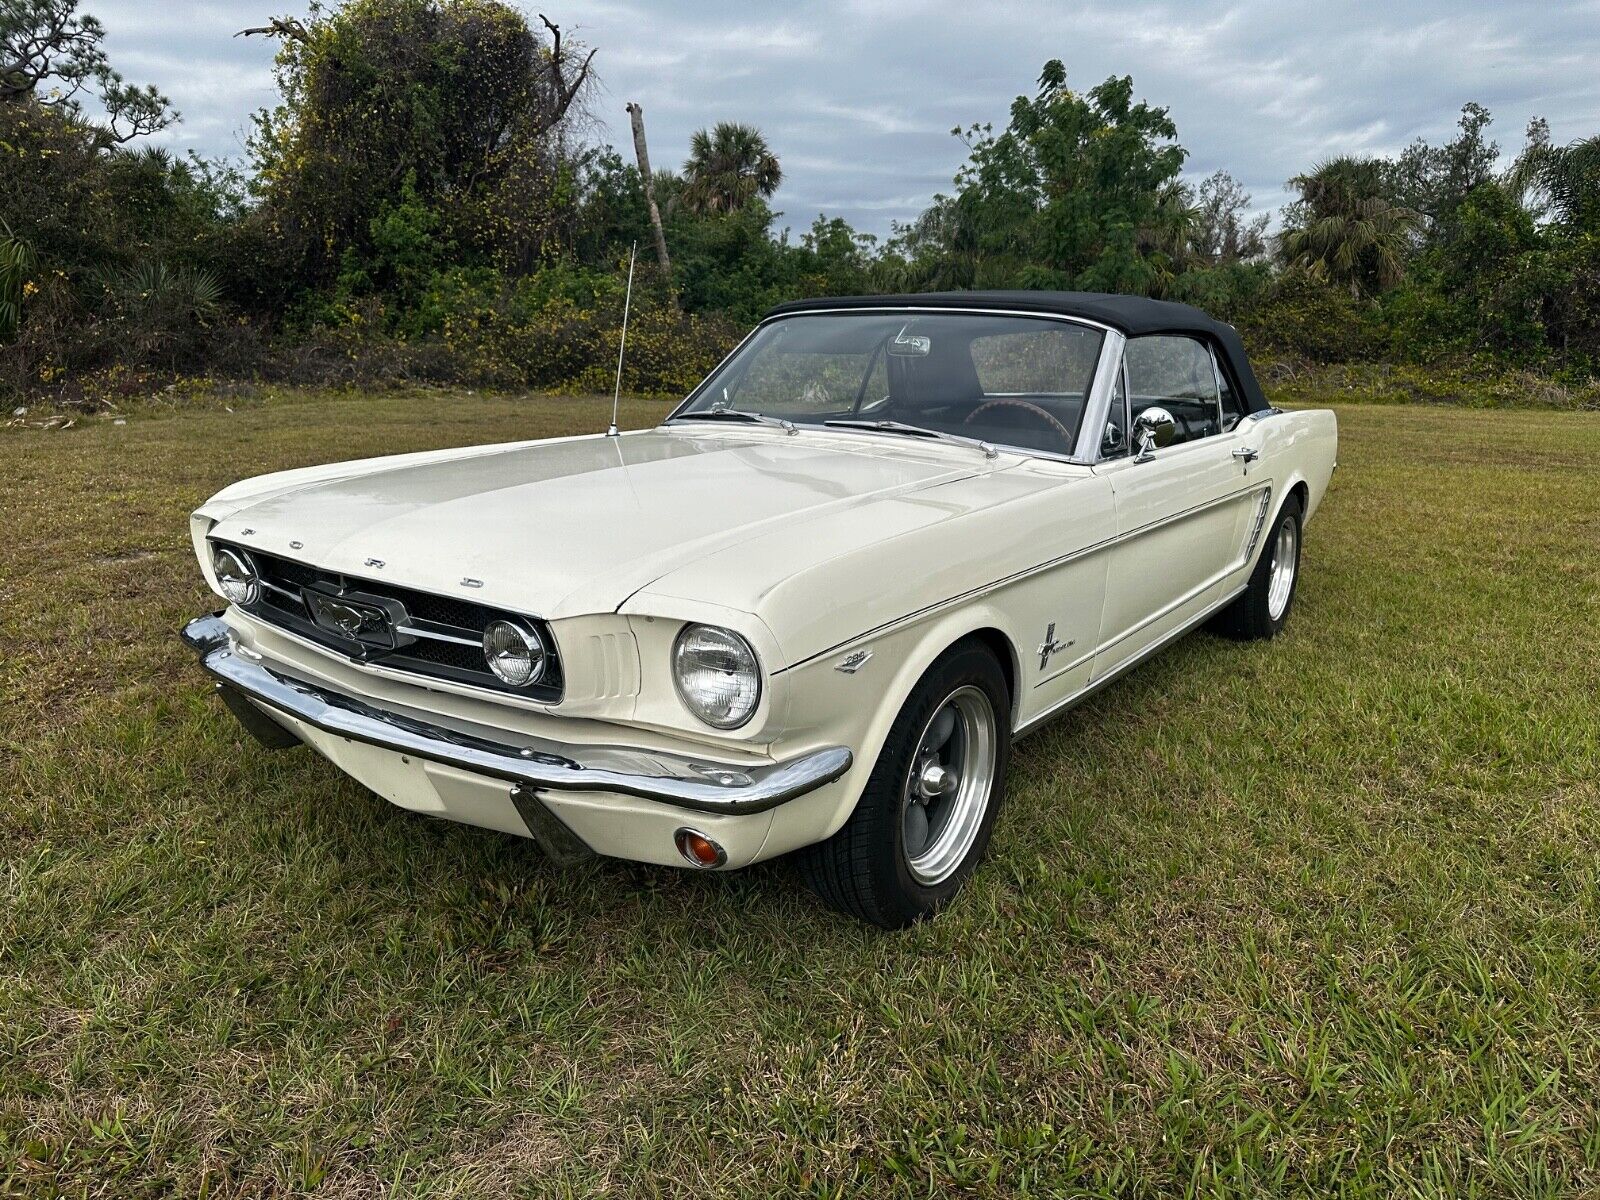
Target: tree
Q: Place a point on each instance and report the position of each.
(1223, 232)
(460, 97)
(1434, 181)
(727, 168)
(839, 260)
(1564, 179)
(52, 55)
(1346, 228)
(16, 264)
(641, 151)
(1078, 191)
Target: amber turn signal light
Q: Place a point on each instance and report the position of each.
(698, 850)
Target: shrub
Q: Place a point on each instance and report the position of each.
(1300, 317)
(501, 337)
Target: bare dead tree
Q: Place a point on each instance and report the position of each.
(566, 73)
(642, 153)
(279, 27)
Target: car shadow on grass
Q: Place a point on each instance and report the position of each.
(443, 864)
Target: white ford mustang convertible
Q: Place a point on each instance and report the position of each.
(808, 614)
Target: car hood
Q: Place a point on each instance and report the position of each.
(573, 526)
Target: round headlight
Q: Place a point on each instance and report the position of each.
(717, 675)
(514, 654)
(236, 575)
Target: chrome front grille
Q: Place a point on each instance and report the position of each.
(438, 636)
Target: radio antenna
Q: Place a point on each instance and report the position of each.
(622, 344)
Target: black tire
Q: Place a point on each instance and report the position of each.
(863, 870)
(1250, 617)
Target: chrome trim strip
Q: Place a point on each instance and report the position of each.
(282, 591)
(1260, 414)
(1165, 611)
(376, 667)
(1260, 524)
(668, 778)
(435, 632)
(1005, 581)
(822, 306)
(1093, 686)
(1097, 407)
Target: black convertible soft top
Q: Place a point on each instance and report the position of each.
(1130, 315)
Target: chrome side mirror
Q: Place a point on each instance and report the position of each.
(1152, 429)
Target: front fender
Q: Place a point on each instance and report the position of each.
(860, 709)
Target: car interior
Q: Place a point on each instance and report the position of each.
(1175, 373)
(944, 389)
(1009, 380)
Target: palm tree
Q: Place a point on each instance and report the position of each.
(727, 168)
(1346, 229)
(16, 264)
(1566, 178)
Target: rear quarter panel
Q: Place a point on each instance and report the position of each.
(1300, 447)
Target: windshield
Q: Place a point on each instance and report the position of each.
(1013, 381)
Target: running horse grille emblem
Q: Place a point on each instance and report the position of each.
(353, 619)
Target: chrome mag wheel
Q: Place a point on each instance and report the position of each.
(947, 789)
(1285, 558)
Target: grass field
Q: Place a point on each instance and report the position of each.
(1322, 914)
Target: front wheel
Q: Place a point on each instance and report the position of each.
(1263, 608)
(924, 819)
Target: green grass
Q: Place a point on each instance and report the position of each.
(1322, 914)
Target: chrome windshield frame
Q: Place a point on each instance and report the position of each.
(1086, 445)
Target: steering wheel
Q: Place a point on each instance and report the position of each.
(1032, 410)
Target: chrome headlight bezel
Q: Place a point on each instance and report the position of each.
(735, 649)
(242, 575)
(512, 634)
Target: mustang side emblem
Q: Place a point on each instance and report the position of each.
(852, 663)
(1051, 646)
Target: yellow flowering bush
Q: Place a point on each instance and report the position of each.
(561, 346)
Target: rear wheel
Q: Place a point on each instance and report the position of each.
(1263, 608)
(924, 819)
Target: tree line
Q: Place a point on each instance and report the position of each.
(423, 202)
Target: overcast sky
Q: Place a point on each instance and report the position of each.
(858, 97)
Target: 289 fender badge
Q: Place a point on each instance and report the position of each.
(854, 662)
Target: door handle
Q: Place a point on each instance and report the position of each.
(1247, 454)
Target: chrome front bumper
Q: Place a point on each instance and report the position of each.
(678, 780)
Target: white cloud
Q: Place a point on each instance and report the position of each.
(858, 96)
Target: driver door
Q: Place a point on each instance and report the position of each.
(1180, 511)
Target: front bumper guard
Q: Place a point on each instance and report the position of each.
(538, 765)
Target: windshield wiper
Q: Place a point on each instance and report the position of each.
(890, 427)
(729, 414)
(908, 430)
